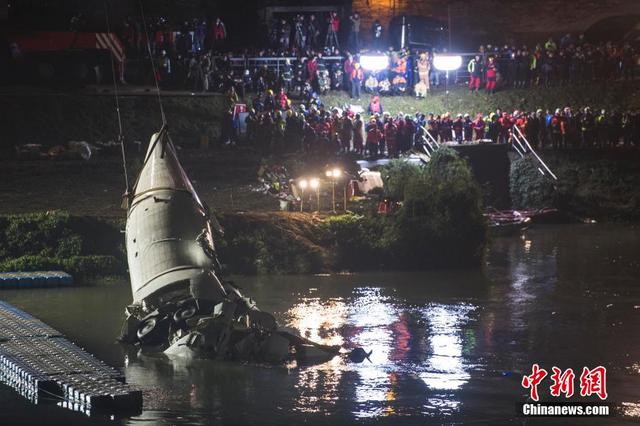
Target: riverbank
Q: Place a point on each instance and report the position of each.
(253, 244)
(439, 224)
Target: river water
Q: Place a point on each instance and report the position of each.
(448, 346)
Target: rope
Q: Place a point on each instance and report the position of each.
(153, 65)
(115, 91)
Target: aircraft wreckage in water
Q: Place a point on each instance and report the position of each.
(180, 304)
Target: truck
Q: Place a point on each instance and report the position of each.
(63, 57)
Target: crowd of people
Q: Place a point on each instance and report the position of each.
(571, 60)
(194, 55)
(275, 124)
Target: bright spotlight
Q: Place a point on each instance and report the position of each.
(328, 173)
(374, 62)
(447, 62)
(303, 183)
(337, 173)
(313, 183)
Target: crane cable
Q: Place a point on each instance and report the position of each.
(153, 65)
(115, 91)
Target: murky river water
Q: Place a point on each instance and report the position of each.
(448, 346)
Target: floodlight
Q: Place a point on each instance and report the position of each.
(337, 173)
(303, 183)
(447, 62)
(313, 183)
(374, 62)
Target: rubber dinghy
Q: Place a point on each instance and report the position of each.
(181, 306)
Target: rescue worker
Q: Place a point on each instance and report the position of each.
(493, 127)
(602, 129)
(557, 129)
(219, 33)
(358, 135)
(533, 129)
(478, 127)
(373, 137)
(346, 131)
(375, 106)
(357, 77)
(408, 132)
(423, 65)
(390, 136)
(287, 75)
(458, 126)
(445, 128)
(282, 101)
(467, 128)
(312, 70)
(504, 130)
(492, 75)
(348, 68)
(432, 127)
(475, 73)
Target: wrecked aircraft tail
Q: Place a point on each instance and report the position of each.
(180, 304)
(168, 231)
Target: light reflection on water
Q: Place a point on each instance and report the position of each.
(369, 319)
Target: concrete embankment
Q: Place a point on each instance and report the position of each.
(597, 184)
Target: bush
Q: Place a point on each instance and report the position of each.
(271, 243)
(78, 266)
(354, 241)
(396, 175)
(35, 234)
(29, 263)
(55, 240)
(440, 222)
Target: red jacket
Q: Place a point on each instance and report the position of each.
(219, 31)
(505, 124)
(491, 72)
(373, 135)
(390, 132)
(312, 67)
(348, 67)
(283, 100)
(334, 21)
(357, 74)
(375, 107)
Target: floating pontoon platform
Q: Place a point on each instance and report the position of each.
(40, 364)
(34, 279)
